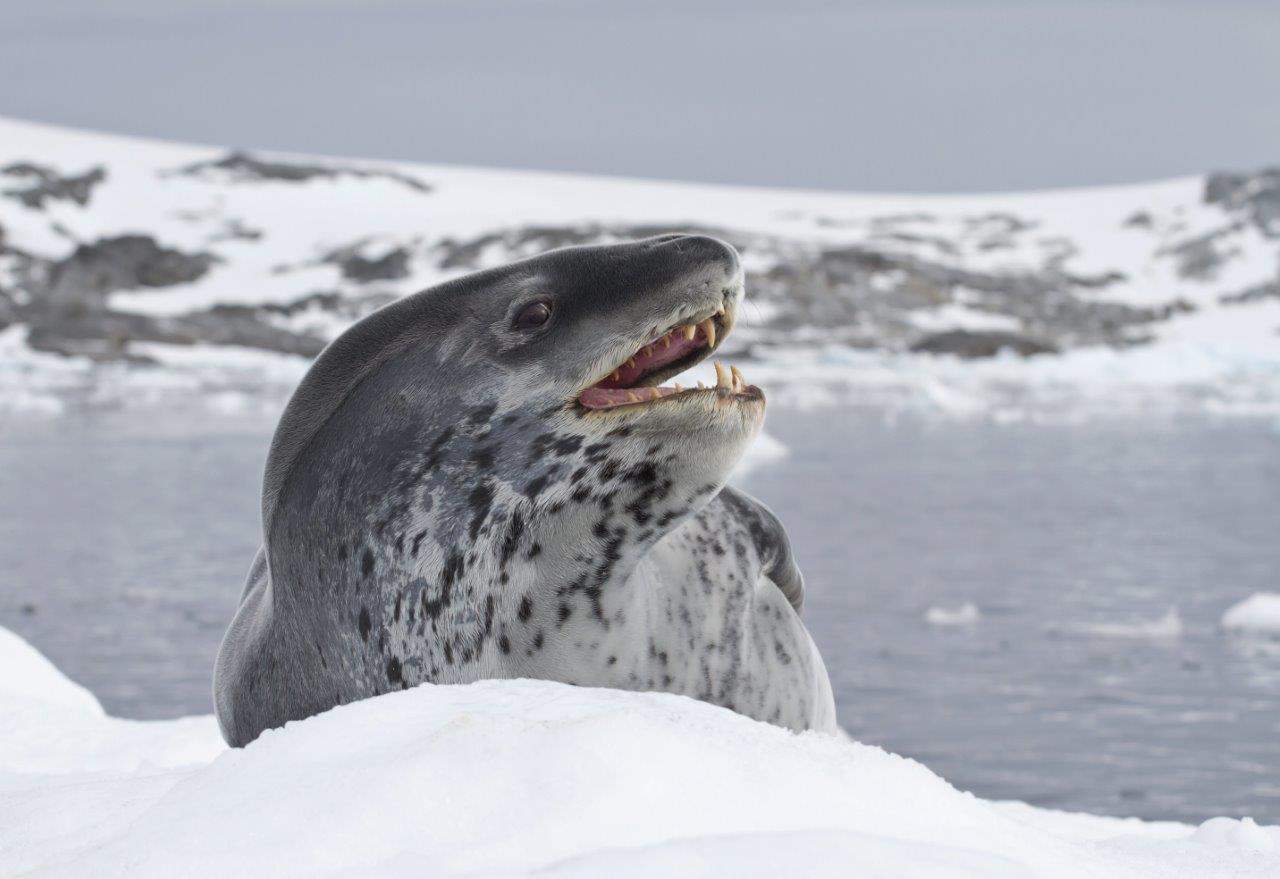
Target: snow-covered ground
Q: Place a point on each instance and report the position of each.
(508, 778)
(136, 271)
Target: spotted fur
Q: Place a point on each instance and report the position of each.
(436, 509)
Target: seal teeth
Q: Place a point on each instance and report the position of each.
(709, 329)
(689, 331)
(738, 382)
(678, 387)
(723, 377)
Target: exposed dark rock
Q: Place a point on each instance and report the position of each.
(46, 184)
(237, 231)
(1199, 258)
(246, 167)
(1257, 195)
(1140, 220)
(351, 307)
(1265, 290)
(106, 335)
(969, 344)
(355, 267)
(84, 279)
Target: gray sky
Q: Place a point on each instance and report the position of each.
(908, 96)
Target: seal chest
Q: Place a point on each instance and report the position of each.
(488, 479)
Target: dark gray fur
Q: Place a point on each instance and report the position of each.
(436, 508)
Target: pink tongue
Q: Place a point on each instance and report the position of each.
(607, 398)
(668, 349)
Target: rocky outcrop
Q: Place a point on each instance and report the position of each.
(41, 184)
(126, 262)
(66, 307)
(244, 166)
(362, 269)
(1255, 195)
(968, 344)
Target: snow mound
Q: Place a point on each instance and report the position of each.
(50, 724)
(505, 778)
(1259, 614)
(1167, 626)
(966, 614)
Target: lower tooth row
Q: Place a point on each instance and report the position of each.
(729, 378)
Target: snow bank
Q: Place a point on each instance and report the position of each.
(529, 777)
(1258, 614)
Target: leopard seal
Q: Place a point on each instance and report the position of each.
(487, 480)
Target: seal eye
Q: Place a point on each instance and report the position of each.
(533, 316)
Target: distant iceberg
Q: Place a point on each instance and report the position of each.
(1259, 614)
(966, 614)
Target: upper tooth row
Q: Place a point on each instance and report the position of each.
(707, 326)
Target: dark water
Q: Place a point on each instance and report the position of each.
(124, 542)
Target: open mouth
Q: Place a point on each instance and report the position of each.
(636, 381)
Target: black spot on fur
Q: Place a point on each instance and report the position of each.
(366, 563)
(436, 450)
(482, 457)
(480, 500)
(365, 624)
(526, 609)
(536, 485)
(515, 530)
(482, 414)
(394, 674)
(567, 445)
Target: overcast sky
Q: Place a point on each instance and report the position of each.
(907, 96)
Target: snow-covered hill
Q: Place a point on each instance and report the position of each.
(515, 778)
(132, 270)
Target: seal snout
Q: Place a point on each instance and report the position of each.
(700, 250)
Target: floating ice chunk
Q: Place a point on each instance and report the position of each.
(966, 614)
(1167, 626)
(1259, 614)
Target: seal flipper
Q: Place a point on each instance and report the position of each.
(771, 541)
